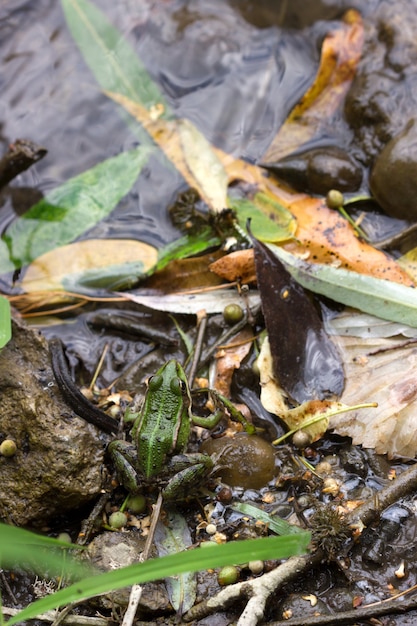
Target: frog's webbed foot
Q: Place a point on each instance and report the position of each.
(124, 457)
(190, 469)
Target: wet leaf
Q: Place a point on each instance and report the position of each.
(5, 322)
(71, 209)
(229, 358)
(270, 220)
(94, 263)
(110, 57)
(187, 149)
(380, 369)
(306, 362)
(382, 298)
(171, 537)
(275, 524)
(340, 54)
(213, 301)
(236, 266)
(322, 235)
(184, 275)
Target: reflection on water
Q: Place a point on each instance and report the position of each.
(227, 66)
(234, 80)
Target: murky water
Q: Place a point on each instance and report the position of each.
(234, 80)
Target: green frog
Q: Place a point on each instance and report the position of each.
(160, 437)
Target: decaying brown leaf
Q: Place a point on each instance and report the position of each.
(340, 54)
(306, 362)
(187, 149)
(229, 358)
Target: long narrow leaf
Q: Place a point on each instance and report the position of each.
(5, 322)
(73, 208)
(383, 298)
(192, 561)
(110, 57)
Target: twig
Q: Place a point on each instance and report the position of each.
(136, 591)
(354, 616)
(259, 590)
(69, 620)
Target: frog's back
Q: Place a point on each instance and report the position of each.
(165, 425)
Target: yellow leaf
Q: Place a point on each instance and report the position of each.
(187, 149)
(340, 54)
(62, 267)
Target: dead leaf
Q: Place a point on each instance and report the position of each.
(340, 54)
(63, 266)
(228, 359)
(187, 149)
(306, 362)
(237, 266)
(382, 370)
(185, 274)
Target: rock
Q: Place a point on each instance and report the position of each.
(393, 179)
(59, 459)
(319, 170)
(113, 550)
(246, 461)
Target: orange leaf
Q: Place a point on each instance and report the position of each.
(340, 55)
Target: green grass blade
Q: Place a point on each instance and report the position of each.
(37, 553)
(72, 208)
(382, 298)
(110, 57)
(192, 561)
(5, 321)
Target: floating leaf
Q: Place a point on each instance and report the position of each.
(171, 537)
(340, 54)
(110, 57)
(270, 220)
(306, 362)
(89, 264)
(187, 149)
(383, 298)
(74, 207)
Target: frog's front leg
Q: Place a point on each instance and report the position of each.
(188, 472)
(124, 455)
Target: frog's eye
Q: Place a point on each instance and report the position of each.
(154, 382)
(178, 386)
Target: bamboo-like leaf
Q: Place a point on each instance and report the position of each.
(275, 524)
(74, 207)
(37, 553)
(154, 569)
(171, 537)
(382, 298)
(187, 149)
(110, 57)
(5, 323)
(270, 220)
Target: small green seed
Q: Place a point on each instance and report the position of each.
(117, 519)
(228, 575)
(335, 199)
(8, 447)
(137, 504)
(233, 313)
(64, 537)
